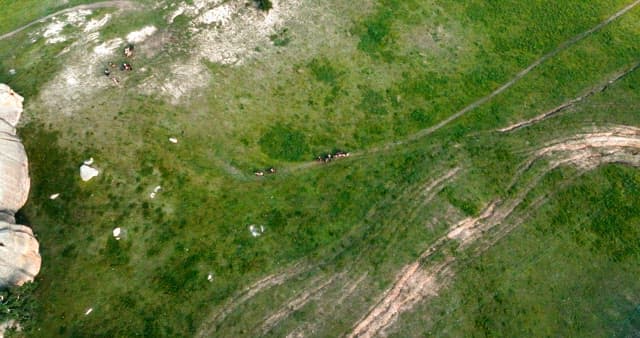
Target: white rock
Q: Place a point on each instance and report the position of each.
(54, 196)
(87, 172)
(155, 192)
(108, 47)
(89, 161)
(173, 140)
(95, 24)
(117, 232)
(220, 14)
(21, 259)
(255, 230)
(89, 310)
(141, 35)
(10, 105)
(210, 277)
(14, 168)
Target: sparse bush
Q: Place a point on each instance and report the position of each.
(264, 5)
(18, 303)
(281, 38)
(323, 71)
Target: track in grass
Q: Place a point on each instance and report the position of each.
(122, 4)
(419, 280)
(599, 88)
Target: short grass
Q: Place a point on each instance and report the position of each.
(356, 215)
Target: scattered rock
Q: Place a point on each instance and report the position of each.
(173, 140)
(54, 196)
(117, 232)
(88, 172)
(155, 191)
(210, 277)
(256, 230)
(89, 310)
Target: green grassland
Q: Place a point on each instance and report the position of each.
(390, 69)
(19, 13)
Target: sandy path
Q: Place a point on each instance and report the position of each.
(418, 281)
(104, 4)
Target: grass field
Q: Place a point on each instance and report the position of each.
(363, 78)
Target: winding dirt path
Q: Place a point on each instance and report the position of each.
(430, 130)
(122, 4)
(418, 280)
(563, 46)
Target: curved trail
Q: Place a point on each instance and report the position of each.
(563, 46)
(105, 4)
(419, 281)
(427, 131)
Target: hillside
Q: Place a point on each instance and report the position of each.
(482, 180)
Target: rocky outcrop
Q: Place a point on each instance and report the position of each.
(19, 255)
(10, 105)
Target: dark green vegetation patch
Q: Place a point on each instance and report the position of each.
(284, 143)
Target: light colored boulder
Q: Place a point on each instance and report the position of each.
(88, 172)
(10, 105)
(19, 256)
(14, 173)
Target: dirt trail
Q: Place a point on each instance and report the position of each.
(600, 88)
(518, 76)
(420, 280)
(208, 327)
(413, 284)
(296, 303)
(430, 130)
(351, 287)
(104, 4)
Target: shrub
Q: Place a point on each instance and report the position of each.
(264, 5)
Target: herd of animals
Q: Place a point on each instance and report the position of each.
(124, 66)
(324, 158)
